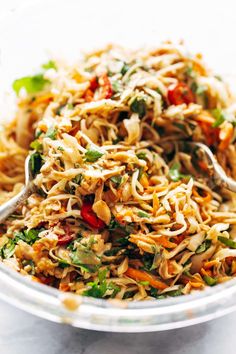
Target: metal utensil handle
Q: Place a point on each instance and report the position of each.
(219, 172)
(11, 205)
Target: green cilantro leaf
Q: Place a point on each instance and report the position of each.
(117, 180)
(175, 174)
(51, 133)
(28, 236)
(219, 116)
(139, 106)
(8, 249)
(77, 179)
(35, 162)
(99, 287)
(203, 247)
(124, 69)
(141, 155)
(49, 65)
(142, 214)
(36, 145)
(92, 155)
(31, 84)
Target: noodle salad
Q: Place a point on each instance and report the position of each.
(118, 210)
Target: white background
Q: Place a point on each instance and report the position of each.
(207, 26)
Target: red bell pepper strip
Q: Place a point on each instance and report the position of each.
(180, 93)
(90, 217)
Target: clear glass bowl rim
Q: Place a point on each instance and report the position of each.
(112, 315)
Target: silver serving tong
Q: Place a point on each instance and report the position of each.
(218, 174)
(11, 205)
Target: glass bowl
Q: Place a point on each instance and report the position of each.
(33, 31)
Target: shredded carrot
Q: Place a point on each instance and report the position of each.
(210, 264)
(202, 199)
(226, 136)
(155, 203)
(42, 126)
(211, 134)
(147, 239)
(144, 180)
(42, 99)
(164, 241)
(203, 165)
(196, 285)
(205, 272)
(179, 239)
(34, 278)
(171, 267)
(88, 95)
(205, 118)
(64, 287)
(140, 275)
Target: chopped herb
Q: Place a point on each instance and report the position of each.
(84, 257)
(201, 90)
(77, 179)
(142, 214)
(36, 145)
(190, 72)
(49, 65)
(139, 106)
(227, 242)
(69, 188)
(116, 87)
(147, 260)
(203, 247)
(124, 69)
(174, 293)
(143, 282)
(117, 180)
(140, 172)
(219, 116)
(31, 84)
(8, 249)
(125, 229)
(209, 280)
(51, 133)
(28, 236)
(154, 293)
(92, 155)
(63, 264)
(59, 109)
(35, 163)
(30, 263)
(99, 287)
(141, 155)
(70, 106)
(38, 132)
(175, 174)
(60, 148)
(128, 294)
(117, 140)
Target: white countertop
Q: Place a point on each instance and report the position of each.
(24, 333)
